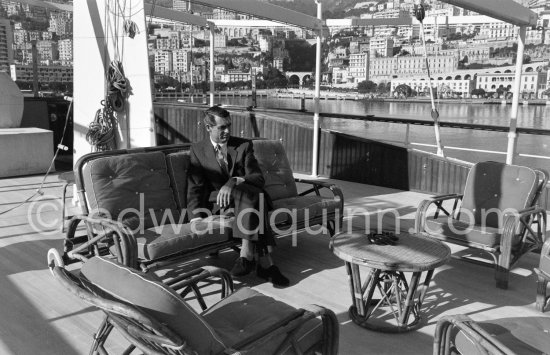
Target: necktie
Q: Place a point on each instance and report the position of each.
(221, 159)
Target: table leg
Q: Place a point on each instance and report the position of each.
(403, 299)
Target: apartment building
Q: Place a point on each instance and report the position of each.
(381, 47)
(6, 45)
(65, 51)
(163, 61)
(359, 67)
(181, 60)
(46, 74)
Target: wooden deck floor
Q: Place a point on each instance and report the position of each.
(37, 317)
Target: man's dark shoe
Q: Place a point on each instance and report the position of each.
(242, 267)
(272, 274)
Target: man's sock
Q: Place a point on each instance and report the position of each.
(247, 250)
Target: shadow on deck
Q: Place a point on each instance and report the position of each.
(38, 317)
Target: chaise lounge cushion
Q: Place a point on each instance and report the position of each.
(525, 336)
(149, 294)
(247, 312)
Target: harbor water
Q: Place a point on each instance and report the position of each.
(529, 116)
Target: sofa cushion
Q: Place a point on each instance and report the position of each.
(168, 239)
(445, 228)
(178, 165)
(493, 186)
(279, 181)
(295, 209)
(525, 336)
(129, 187)
(148, 293)
(247, 312)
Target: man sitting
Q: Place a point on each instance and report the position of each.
(225, 168)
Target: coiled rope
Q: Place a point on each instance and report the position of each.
(117, 86)
(101, 131)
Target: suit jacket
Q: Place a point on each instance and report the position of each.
(206, 175)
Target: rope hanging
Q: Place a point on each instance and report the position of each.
(117, 86)
(101, 131)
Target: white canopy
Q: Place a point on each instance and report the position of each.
(174, 15)
(505, 10)
(267, 11)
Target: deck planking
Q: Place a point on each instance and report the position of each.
(40, 318)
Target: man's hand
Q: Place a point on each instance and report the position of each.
(224, 196)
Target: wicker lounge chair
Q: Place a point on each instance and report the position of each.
(461, 335)
(156, 319)
(543, 275)
(497, 213)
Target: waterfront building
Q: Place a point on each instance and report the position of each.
(445, 87)
(235, 75)
(532, 83)
(6, 45)
(46, 73)
(388, 68)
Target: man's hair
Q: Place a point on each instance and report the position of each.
(213, 112)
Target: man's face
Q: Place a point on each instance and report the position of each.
(221, 131)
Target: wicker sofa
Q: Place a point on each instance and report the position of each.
(133, 205)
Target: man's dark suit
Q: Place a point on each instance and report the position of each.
(206, 176)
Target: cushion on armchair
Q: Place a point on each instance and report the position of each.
(130, 188)
(493, 186)
(178, 165)
(149, 294)
(279, 181)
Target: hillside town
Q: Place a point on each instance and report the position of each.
(467, 54)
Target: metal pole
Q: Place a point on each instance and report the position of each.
(435, 114)
(512, 134)
(212, 88)
(34, 68)
(316, 125)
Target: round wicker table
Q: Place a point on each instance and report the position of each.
(399, 298)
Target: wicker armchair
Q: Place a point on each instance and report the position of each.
(497, 213)
(156, 319)
(460, 335)
(543, 276)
